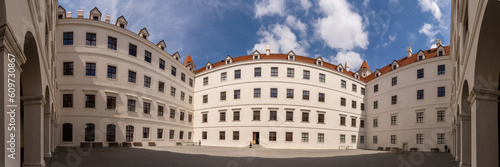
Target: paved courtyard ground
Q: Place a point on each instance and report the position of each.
(205, 156)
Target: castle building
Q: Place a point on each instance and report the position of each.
(78, 81)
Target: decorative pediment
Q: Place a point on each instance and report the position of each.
(291, 55)
(340, 68)
(356, 75)
(228, 59)
(377, 73)
(319, 61)
(95, 14)
(208, 66)
(420, 55)
(121, 22)
(256, 55)
(61, 12)
(440, 51)
(394, 65)
(176, 56)
(162, 45)
(143, 33)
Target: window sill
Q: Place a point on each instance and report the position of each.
(236, 120)
(304, 121)
(272, 120)
(222, 121)
(289, 121)
(321, 123)
(256, 120)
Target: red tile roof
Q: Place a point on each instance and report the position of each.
(364, 65)
(188, 59)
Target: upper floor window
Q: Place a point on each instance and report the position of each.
(89, 101)
(111, 43)
(67, 100)
(237, 94)
(375, 104)
(274, 92)
(440, 53)
(256, 93)
(68, 38)
(321, 97)
(132, 50)
(363, 91)
(375, 88)
(91, 38)
(183, 77)
(394, 120)
(394, 81)
(147, 81)
(205, 81)
(354, 88)
(68, 68)
(440, 116)
(237, 74)
(90, 69)
(172, 91)
(420, 94)
(205, 98)
(222, 96)
(274, 71)
(394, 99)
(441, 69)
(289, 93)
(306, 74)
(420, 117)
(420, 73)
(112, 72)
(257, 72)
(441, 91)
(174, 71)
(147, 56)
(305, 95)
(322, 78)
(190, 82)
(290, 72)
(342, 101)
(162, 64)
(421, 57)
(343, 84)
(223, 77)
(131, 76)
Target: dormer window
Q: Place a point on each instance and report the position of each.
(440, 53)
(60, 16)
(376, 75)
(420, 57)
(209, 67)
(144, 36)
(290, 57)
(256, 57)
(228, 61)
(162, 48)
(121, 22)
(319, 63)
(95, 18)
(176, 58)
(340, 70)
(364, 75)
(122, 25)
(394, 67)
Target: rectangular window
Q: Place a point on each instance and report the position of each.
(272, 136)
(440, 116)
(353, 122)
(289, 116)
(147, 56)
(181, 116)
(289, 93)
(131, 76)
(131, 105)
(190, 99)
(362, 106)
(162, 64)
(67, 100)
(68, 38)
(321, 118)
(420, 138)
(441, 138)
(342, 101)
(236, 135)
(68, 68)
(375, 104)
(160, 111)
(274, 92)
(394, 120)
(189, 135)
(362, 123)
(171, 134)
(159, 133)
(145, 133)
(363, 91)
(420, 73)
(132, 50)
(420, 94)
(375, 139)
(273, 115)
(305, 95)
(290, 72)
(223, 95)
(172, 91)
(146, 108)
(394, 81)
(112, 72)
(321, 137)
(305, 116)
(257, 72)
(174, 71)
(361, 139)
(111, 43)
(204, 135)
(89, 101)
(441, 91)
(322, 78)
(441, 70)
(305, 137)
(343, 84)
(204, 118)
(90, 69)
(354, 88)
(111, 102)
(321, 97)
(161, 86)
(205, 81)
(420, 117)
(256, 115)
(342, 138)
(342, 120)
(222, 135)
(353, 104)
(256, 93)
(237, 74)
(236, 115)
(183, 77)
(172, 113)
(190, 82)
(393, 139)
(237, 94)
(289, 136)
(223, 78)
(147, 81)
(274, 71)
(205, 98)
(222, 116)
(394, 99)
(306, 74)
(91, 37)
(375, 88)
(375, 123)
(353, 138)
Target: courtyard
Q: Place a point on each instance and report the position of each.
(207, 156)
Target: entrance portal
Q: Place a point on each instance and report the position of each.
(255, 139)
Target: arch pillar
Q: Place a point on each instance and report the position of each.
(47, 134)
(457, 143)
(465, 140)
(33, 130)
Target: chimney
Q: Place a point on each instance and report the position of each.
(347, 66)
(68, 14)
(80, 13)
(107, 18)
(408, 51)
(268, 50)
(438, 42)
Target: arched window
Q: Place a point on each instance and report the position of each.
(110, 133)
(129, 133)
(89, 132)
(67, 132)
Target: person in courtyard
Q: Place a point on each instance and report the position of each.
(250, 144)
(445, 148)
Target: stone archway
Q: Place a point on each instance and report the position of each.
(465, 127)
(32, 105)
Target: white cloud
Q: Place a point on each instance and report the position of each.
(296, 24)
(305, 4)
(431, 6)
(268, 7)
(430, 31)
(342, 28)
(281, 39)
(433, 46)
(391, 39)
(365, 3)
(353, 58)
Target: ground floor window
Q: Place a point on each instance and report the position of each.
(342, 138)
(305, 137)
(420, 138)
(189, 135)
(272, 136)
(159, 134)
(222, 135)
(67, 132)
(393, 139)
(440, 138)
(145, 132)
(89, 132)
(236, 135)
(289, 136)
(110, 133)
(171, 134)
(181, 135)
(204, 135)
(321, 137)
(129, 134)
(353, 138)
(375, 139)
(361, 139)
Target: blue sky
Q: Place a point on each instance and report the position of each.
(338, 30)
